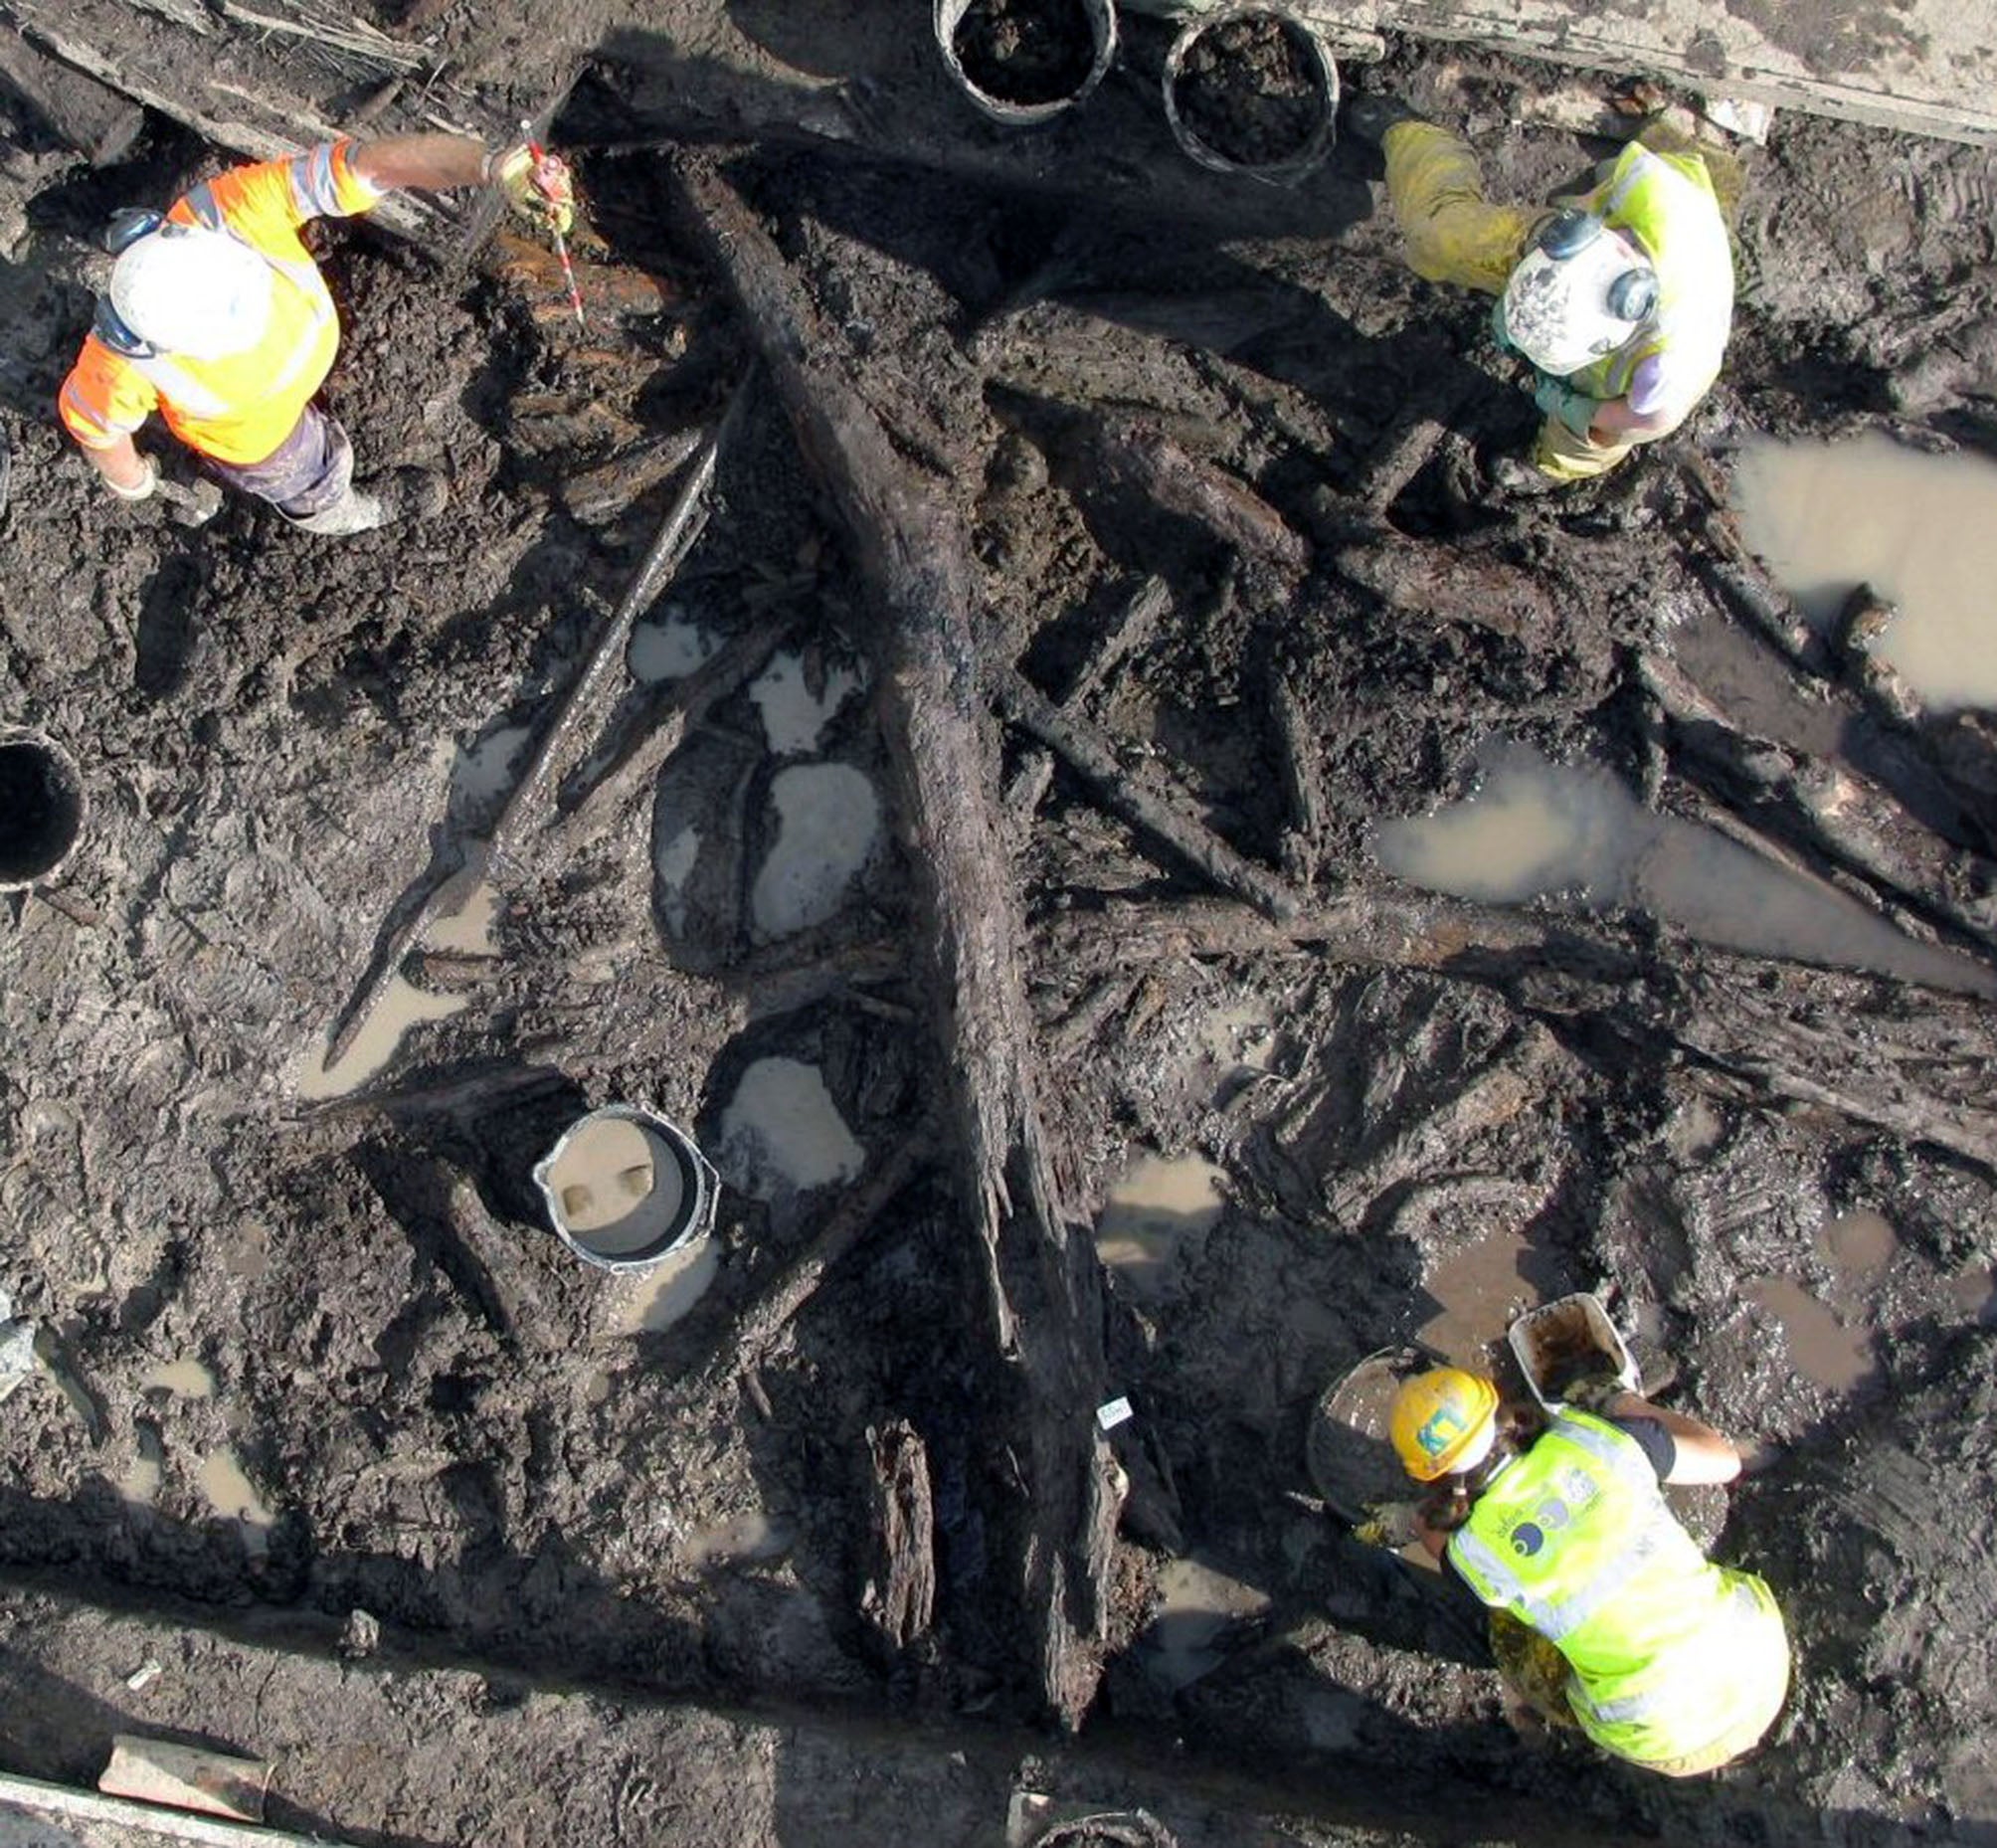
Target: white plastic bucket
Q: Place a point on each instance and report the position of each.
(625, 1187)
(956, 20)
(1208, 36)
(1561, 1336)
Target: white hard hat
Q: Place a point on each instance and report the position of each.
(1579, 292)
(186, 290)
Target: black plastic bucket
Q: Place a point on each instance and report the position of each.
(41, 806)
(997, 51)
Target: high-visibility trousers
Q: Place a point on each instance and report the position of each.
(1455, 234)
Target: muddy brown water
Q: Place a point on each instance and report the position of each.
(1536, 828)
(1155, 1216)
(1921, 529)
(402, 1007)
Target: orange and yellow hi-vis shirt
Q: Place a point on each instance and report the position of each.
(242, 407)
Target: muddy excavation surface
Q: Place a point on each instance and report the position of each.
(989, 685)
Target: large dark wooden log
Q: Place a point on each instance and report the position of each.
(1157, 812)
(912, 553)
(1911, 1060)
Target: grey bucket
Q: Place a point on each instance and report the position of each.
(1311, 153)
(633, 1229)
(1101, 19)
(42, 807)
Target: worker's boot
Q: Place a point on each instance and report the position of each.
(406, 493)
(1514, 476)
(409, 494)
(1368, 118)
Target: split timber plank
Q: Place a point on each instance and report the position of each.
(86, 1817)
(1926, 67)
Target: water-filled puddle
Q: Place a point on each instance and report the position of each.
(1197, 1603)
(746, 1539)
(1479, 1290)
(140, 1483)
(794, 715)
(1536, 828)
(186, 1379)
(1821, 1348)
(483, 772)
(234, 1497)
(1921, 529)
(668, 647)
(674, 862)
(468, 929)
(782, 1132)
(1155, 1215)
(400, 1007)
(655, 1299)
(828, 823)
(1859, 1244)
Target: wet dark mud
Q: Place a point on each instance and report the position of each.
(1223, 502)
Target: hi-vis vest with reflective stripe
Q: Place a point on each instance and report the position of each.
(1668, 1650)
(238, 409)
(1667, 202)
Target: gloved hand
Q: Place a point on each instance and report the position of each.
(1595, 1394)
(148, 484)
(1558, 399)
(542, 190)
(1392, 1525)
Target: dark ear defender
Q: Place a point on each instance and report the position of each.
(110, 327)
(126, 225)
(1568, 233)
(1633, 295)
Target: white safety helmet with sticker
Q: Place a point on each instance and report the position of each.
(1578, 294)
(190, 292)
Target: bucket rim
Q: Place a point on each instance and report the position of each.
(947, 15)
(13, 732)
(1290, 170)
(701, 1184)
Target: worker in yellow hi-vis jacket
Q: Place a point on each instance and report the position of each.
(1621, 300)
(1605, 1615)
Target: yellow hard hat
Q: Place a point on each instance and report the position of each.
(1437, 1416)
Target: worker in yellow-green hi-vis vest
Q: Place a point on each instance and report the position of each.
(1622, 299)
(1605, 1615)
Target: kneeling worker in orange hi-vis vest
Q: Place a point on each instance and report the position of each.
(1605, 1615)
(218, 318)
